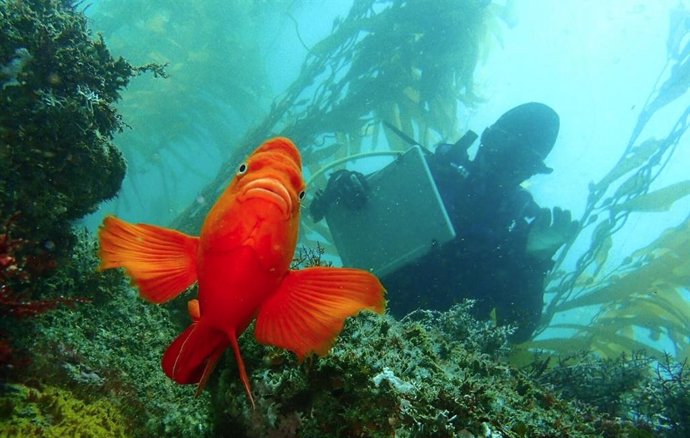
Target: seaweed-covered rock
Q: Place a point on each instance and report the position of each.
(653, 394)
(111, 347)
(58, 86)
(53, 412)
(431, 374)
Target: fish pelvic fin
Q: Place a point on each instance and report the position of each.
(160, 261)
(193, 355)
(309, 309)
(194, 309)
(240, 366)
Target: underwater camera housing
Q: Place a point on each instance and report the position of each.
(404, 217)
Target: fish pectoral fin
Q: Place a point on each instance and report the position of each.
(308, 311)
(161, 261)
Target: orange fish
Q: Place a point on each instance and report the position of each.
(242, 264)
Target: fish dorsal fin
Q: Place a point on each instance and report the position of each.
(308, 311)
(161, 261)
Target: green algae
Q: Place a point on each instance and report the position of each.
(432, 374)
(113, 346)
(53, 412)
(58, 89)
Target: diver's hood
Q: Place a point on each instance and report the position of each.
(529, 131)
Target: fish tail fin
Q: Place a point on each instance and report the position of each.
(193, 355)
(161, 261)
(309, 309)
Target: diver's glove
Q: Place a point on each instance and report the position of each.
(344, 187)
(456, 154)
(547, 235)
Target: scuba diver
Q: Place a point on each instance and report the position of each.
(504, 241)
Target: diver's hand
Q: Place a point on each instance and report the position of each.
(344, 187)
(546, 236)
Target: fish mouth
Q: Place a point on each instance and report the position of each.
(269, 189)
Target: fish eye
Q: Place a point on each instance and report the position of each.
(301, 194)
(242, 169)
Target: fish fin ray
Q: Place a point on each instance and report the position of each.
(208, 370)
(308, 311)
(160, 261)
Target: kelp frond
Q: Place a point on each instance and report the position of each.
(644, 299)
(406, 62)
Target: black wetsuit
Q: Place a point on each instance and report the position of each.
(487, 261)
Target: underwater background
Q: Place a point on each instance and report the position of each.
(144, 109)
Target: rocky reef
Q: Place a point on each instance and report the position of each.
(430, 374)
(80, 352)
(54, 412)
(58, 87)
(107, 349)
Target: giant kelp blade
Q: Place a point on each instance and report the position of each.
(629, 162)
(658, 200)
(663, 259)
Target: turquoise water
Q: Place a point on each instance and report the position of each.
(614, 317)
(595, 63)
